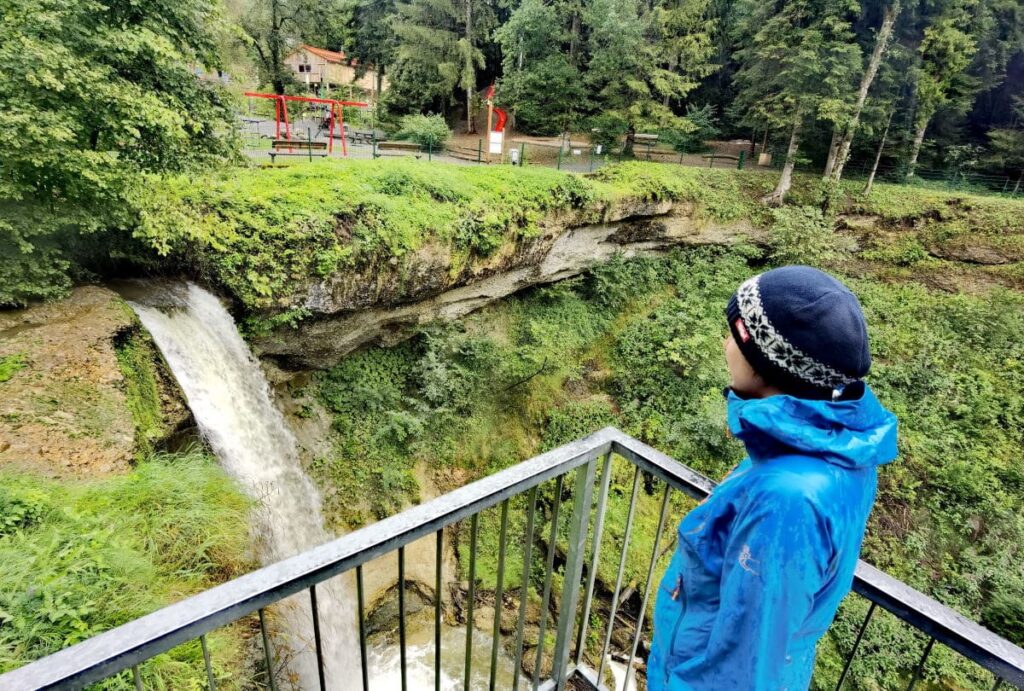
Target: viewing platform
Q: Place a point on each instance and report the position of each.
(581, 473)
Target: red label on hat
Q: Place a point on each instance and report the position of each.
(741, 329)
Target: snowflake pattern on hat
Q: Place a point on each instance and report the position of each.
(776, 348)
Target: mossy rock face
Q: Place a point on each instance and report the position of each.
(84, 390)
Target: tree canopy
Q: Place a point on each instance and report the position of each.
(95, 96)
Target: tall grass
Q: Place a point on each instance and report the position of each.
(81, 557)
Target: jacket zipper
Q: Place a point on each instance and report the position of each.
(678, 594)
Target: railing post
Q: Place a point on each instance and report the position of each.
(856, 644)
(498, 595)
(522, 155)
(647, 586)
(743, 155)
(473, 527)
(576, 549)
(479, 150)
(558, 165)
(438, 550)
(920, 665)
(548, 571)
(595, 558)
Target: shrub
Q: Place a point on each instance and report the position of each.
(803, 235)
(425, 130)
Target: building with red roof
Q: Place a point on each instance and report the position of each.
(319, 68)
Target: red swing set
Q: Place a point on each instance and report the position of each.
(336, 112)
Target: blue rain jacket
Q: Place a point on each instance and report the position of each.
(763, 563)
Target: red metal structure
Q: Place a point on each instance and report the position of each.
(281, 115)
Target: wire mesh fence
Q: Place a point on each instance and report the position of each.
(310, 137)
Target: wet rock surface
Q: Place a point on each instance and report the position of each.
(386, 304)
(66, 408)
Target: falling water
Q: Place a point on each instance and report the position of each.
(231, 402)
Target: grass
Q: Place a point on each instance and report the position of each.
(11, 365)
(265, 233)
(78, 558)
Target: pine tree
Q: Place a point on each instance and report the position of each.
(439, 41)
(541, 83)
(630, 72)
(945, 53)
(841, 151)
(796, 62)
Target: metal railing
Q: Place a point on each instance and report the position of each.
(587, 465)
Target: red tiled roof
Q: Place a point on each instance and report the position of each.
(328, 55)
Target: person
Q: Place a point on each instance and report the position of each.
(762, 564)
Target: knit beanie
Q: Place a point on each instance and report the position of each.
(801, 330)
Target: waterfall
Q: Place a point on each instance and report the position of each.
(231, 401)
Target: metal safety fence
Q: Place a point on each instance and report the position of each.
(568, 501)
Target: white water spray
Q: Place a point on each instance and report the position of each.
(230, 399)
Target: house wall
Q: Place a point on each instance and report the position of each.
(324, 72)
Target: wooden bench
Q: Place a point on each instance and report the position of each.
(399, 148)
(363, 136)
(305, 147)
(647, 141)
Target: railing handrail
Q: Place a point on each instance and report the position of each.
(143, 638)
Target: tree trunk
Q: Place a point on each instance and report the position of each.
(380, 82)
(833, 148)
(878, 155)
(778, 195)
(470, 125)
(574, 36)
(881, 43)
(274, 48)
(627, 147)
(753, 143)
(915, 149)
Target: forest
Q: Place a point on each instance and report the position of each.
(932, 83)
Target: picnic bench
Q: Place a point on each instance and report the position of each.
(399, 148)
(285, 147)
(647, 141)
(363, 136)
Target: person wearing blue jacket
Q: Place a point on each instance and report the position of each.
(763, 562)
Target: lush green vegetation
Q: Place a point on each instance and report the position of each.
(78, 558)
(638, 345)
(137, 358)
(264, 234)
(11, 364)
(96, 95)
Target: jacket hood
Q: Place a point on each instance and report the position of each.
(856, 432)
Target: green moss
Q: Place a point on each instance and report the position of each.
(137, 358)
(11, 365)
(78, 558)
(262, 232)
